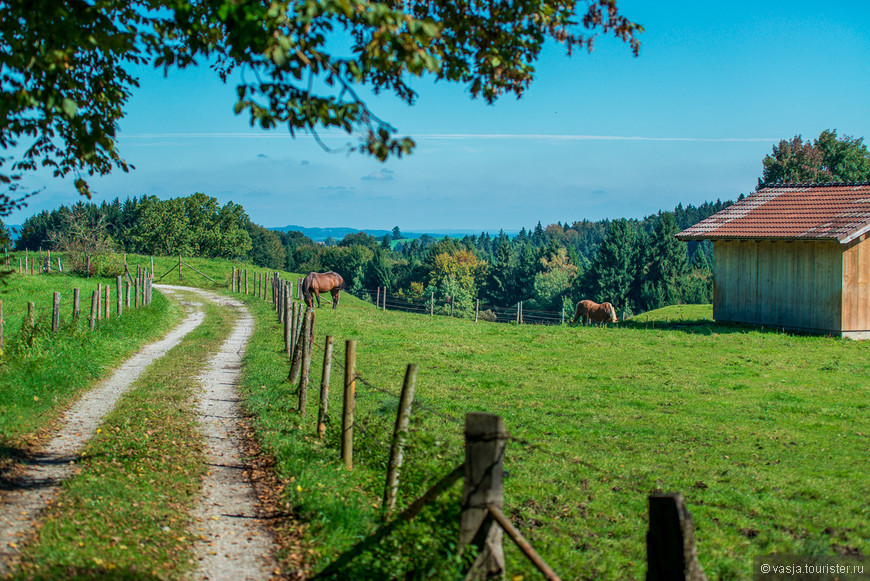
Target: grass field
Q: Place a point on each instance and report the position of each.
(764, 433)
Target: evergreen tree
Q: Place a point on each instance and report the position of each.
(612, 272)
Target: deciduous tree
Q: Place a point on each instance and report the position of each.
(827, 159)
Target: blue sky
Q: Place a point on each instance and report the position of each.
(600, 135)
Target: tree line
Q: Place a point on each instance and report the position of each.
(636, 264)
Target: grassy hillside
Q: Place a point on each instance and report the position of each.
(764, 433)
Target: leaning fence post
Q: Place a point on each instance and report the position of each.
(307, 337)
(348, 403)
(324, 387)
(400, 434)
(485, 438)
(298, 354)
(55, 313)
(670, 541)
(289, 320)
(290, 328)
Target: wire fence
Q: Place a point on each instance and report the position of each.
(439, 304)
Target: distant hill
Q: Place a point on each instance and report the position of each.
(321, 234)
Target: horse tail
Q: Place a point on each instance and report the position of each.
(306, 289)
(576, 313)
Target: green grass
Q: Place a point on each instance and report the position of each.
(764, 433)
(41, 373)
(126, 513)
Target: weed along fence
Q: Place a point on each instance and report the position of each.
(128, 292)
(483, 525)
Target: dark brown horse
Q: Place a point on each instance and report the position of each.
(321, 282)
(592, 311)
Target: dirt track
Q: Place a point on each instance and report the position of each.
(238, 545)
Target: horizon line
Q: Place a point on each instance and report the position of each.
(464, 136)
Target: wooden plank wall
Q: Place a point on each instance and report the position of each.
(793, 284)
(856, 286)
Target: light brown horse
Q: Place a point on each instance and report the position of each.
(320, 282)
(592, 311)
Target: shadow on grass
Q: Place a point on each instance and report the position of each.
(707, 327)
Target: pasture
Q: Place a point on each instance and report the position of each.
(766, 435)
(40, 373)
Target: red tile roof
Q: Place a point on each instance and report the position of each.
(791, 211)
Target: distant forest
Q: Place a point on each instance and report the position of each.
(637, 265)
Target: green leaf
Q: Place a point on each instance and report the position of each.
(69, 107)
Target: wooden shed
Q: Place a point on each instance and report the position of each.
(794, 256)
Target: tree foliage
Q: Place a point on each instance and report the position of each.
(825, 159)
(195, 225)
(66, 67)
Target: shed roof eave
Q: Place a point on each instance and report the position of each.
(855, 234)
(698, 237)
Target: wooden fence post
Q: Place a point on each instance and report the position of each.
(246, 281)
(55, 313)
(31, 314)
(179, 267)
(324, 387)
(233, 279)
(108, 302)
(99, 301)
(378, 298)
(476, 310)
(348, 403)
(75, 313)
(670, 541)
(400, 434)
(298, 354)
(288, 324)
(1, 323)
(128, 288)
(94, 310)
(307, 339)
(119, 290)
(136, 290)
(432, 304)
(485, 438)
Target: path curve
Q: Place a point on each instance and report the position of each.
(235, 541)
(42, 476)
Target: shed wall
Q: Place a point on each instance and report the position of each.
(797, 285)
(856, 287)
